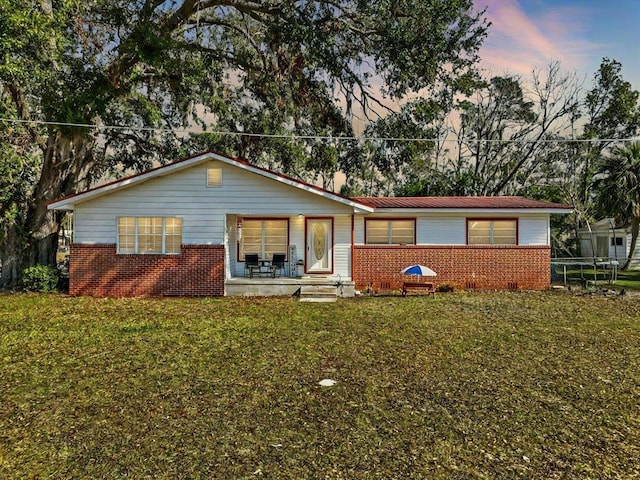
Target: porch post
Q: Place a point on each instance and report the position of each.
(227, 253)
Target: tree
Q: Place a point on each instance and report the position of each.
(617, 188)
(499, 139)
(177, 64)
(508, 127)
(612, 112)
(404, 147)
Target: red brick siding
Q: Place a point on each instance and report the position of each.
(96, 270)
(464, 267)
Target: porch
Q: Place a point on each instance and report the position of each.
(288, 286)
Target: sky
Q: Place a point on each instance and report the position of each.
(527, 34)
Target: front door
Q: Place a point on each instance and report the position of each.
(319, 245)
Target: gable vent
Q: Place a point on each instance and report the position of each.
(214, 177)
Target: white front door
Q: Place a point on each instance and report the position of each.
(319, 245)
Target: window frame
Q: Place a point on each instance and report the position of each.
(136, 235)
(492, 220)
(389, 221)
(616, 241)
(240, 254)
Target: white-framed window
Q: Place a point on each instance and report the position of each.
(492, 231)
(390, 231)
(264, 236)
(214, 177)
(149, 235)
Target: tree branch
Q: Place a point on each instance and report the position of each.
(22, 109)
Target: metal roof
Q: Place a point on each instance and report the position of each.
(464, 203)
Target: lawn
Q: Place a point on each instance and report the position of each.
(629, 279)
(483, 385)
(625, 279)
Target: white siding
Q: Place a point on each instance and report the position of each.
(619, 252)
(441, 230)
(342, 246)
(635, 260)
(203, 209)
(451, 229)
(358, 225)
(534, 230)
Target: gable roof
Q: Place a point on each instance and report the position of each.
(462, 203)
(69, 202)
(361, 204)
(604, 225)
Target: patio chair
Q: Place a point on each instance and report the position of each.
(251, 264)
(277, 264)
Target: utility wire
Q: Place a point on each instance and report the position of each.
(314, 137)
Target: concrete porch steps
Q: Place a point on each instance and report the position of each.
(318, 293)
(287, 286)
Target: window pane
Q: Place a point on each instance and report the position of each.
(377, 231)
(126, 235)
(251, 240)
(402, 231)
(173, 226)
(480, 232)
(173, 244)
(275, 237)
(150, 235)
(150, 226)
(504, 240)
(483, 226)
(173, 238)
(504, 232)
(126, 225)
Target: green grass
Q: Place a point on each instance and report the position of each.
(504, 385)
(629, 280)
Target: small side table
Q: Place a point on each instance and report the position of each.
(264, 266)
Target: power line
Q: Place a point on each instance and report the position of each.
(314, 137)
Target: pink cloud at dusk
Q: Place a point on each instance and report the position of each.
(519, 41)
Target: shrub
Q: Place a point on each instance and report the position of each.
(40, 278)
(445, 287)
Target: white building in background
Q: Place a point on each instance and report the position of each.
(604, 239)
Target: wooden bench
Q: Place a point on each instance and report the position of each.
(427, 287)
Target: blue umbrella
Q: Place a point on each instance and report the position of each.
(419, 270)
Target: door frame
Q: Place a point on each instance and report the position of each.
(330, 249)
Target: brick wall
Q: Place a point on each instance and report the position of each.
(96, 270)
(464, 267)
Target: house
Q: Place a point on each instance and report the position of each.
(186, 227)
(606, 240)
